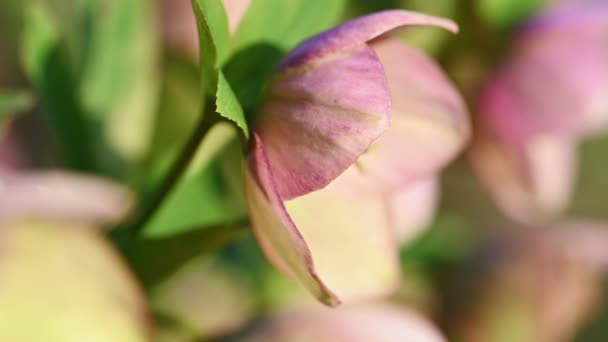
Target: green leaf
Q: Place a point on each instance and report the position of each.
(213, 39)
(286, 23)
(209, 193)
(13, 101)
(122, 82)
(504, 14)
(95, 66)
(228, 106)
(214, 49)
(47, 63)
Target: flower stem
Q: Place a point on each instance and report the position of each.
(179, 167)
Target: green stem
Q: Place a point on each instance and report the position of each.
(207, 120)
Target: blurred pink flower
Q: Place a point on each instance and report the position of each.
(361, 323)
(60, 196)
(535, 285)
(331, 160)
(549, 94)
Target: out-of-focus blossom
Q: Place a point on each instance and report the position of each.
(179, 23)
(209, 299)
(60, 196)
(549, 94)
(361, 323)
(532, 286)
(63, 283)
(326, 171)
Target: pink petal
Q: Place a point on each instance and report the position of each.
(329, 102)
(361, 323)
(316, 124)
(585, 240)
(531, 183)
(61, 196)
(323, 253)
(275, 231)
(430, 125)
(570, 21)
(358, 31)
(412, 208)
(558, 70)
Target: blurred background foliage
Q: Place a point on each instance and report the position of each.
(100, 89)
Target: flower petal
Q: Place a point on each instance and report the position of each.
(358, 31)
(324, 252)
(55, 195)
(317, 123)
(354, 251)
(430, 125)
(361, 323)
(412, 208)
(275, 231)
(329, 102)
(529, 184)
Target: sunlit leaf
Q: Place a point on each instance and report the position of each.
(503, 14)
(285, 23)
(214, 38)
(210, 191)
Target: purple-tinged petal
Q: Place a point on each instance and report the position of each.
(318, 123)
(61, 196)
(329, 102)
(430, 125)
(353, 33)
(360, 323)
(278, 236)
(555, 77)
(525, 287)
(323, 252)
(530, 183)
(412, 208)
(570, 21)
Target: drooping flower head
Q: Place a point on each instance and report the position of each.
(352, 119)
(549, 93)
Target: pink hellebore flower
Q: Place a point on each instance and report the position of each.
(550, 93)
(361, 323)
(533, 285)
(333, 165)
